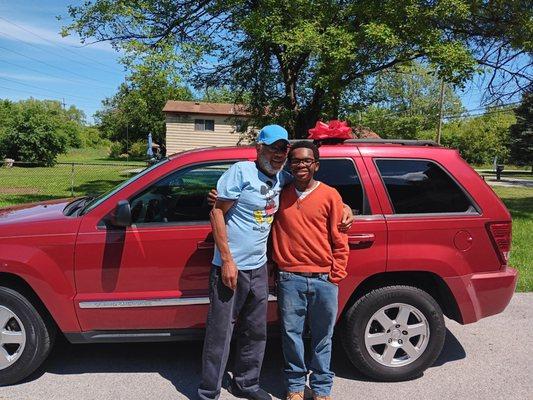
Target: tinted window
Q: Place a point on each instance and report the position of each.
(179, 197)
(342, 175)
(421, 186)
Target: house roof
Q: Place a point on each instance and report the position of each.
(197, 107)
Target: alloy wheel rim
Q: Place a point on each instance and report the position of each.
(396, 335)
(12, 337)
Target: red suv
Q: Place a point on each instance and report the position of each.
(430, 238)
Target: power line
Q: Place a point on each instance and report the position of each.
(49, 65)
(40, 95)
(72, 80)
(108, 69)
(13, 80)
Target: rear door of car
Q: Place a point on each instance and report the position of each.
(433, 223)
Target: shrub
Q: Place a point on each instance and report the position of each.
(115, 150)
(138, 150)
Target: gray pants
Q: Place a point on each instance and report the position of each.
(247, 305)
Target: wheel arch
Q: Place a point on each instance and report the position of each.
(15, 282)
(427, 281)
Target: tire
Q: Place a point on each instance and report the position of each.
(25, 337)
(408, 345)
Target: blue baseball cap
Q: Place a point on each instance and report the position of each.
(272, 133)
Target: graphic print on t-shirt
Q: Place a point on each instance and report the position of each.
(265, 216)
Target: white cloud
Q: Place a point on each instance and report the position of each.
(43, 36)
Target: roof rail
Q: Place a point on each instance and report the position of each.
(405, 142)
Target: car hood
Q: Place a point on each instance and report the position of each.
(36, 218)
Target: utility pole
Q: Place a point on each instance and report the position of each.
(441, 101)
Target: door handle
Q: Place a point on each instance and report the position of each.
(203, 245)
(361, 238)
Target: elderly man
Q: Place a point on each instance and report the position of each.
(248, 198)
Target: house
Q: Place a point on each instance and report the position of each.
(191, 124)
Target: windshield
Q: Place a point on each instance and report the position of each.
(98, 200)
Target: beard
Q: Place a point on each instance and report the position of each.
(265, 165)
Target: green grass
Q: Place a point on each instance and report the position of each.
(21, 185)
(93, 155)
(519, 201)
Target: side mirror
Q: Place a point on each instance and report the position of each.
(122, 217)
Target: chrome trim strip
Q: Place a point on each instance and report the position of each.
(150, 303)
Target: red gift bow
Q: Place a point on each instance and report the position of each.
(334, 129)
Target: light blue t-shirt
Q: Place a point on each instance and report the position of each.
(248, 222)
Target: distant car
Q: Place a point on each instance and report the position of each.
(430, 238)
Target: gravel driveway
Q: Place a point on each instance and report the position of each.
(490, 359)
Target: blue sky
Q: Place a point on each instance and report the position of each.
(36, 61)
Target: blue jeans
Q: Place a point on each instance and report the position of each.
(299, 298)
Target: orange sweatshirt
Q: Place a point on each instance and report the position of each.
(305, 237)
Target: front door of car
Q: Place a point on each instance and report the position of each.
(153, 274)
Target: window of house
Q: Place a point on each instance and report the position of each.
(342, 175)
(421, 186)
(241, 126)
(204, 125)
(178, 197)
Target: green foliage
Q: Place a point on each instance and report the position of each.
(137, 108)
(480, 139)
(115, 150)
(90, 137)
(304, 60)
(38, 130)
(406, 102)
(138, 150)
(521, 133)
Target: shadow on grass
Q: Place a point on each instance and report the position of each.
(93, 188)
(519, 207)
(13, 199)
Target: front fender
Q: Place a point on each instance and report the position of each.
(48, 270)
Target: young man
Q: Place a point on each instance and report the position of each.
(311, 254)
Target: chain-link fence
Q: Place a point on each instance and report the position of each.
(22, 182)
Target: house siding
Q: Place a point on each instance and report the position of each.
(180, 133)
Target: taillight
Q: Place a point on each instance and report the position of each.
(500, 233)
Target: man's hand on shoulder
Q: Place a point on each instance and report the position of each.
(347, 219)
(212, 197)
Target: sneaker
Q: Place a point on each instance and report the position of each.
(295, 396)
(259, 394)
(317, 397)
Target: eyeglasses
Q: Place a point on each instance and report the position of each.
(306, 162)
(276, 149)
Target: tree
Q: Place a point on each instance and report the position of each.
(137, 108)
(405, 102)
(301, 60)
(521, 133)
(36, 131)
(479, 139)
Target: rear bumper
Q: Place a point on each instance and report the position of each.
(480, 295)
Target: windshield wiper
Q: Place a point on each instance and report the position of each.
(87, 201)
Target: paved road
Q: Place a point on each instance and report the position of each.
(487, 360)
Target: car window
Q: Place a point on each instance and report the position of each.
(421, 186)
(341, 174)
(179, 197)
